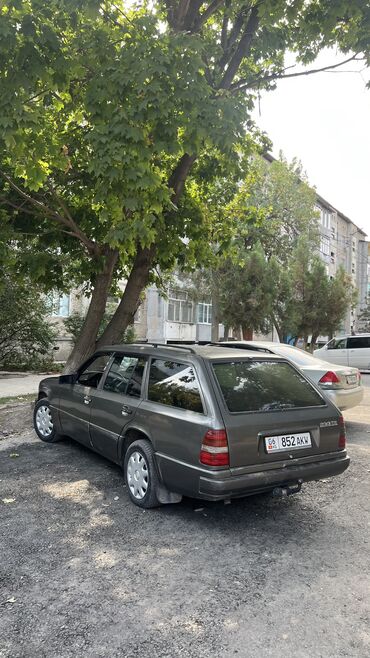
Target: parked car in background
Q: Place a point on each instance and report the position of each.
(347, 351)
(340, 383)
(206, 422)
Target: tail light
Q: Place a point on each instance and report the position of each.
(342, 434)
(215, 449)
(330, 380)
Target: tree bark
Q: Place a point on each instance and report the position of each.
(85, 343)
(215, 310)
(136, 283)
(247, 333)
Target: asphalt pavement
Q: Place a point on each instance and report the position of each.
(83, 572)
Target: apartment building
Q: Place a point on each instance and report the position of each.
(342, 243)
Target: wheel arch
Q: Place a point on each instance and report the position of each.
(132, 434)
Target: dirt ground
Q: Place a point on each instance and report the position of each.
(85, 573)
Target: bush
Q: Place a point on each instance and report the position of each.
(26, 338)
(74, 323)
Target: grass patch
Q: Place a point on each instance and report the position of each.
(19, 398)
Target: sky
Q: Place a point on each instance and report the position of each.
(324, 120)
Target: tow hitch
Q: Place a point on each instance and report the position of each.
(287, 490)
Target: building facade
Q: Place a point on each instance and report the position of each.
(342, 243)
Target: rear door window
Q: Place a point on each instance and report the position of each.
(264, 386)
(359, 342)
(175, 385)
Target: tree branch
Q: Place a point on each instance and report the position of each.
(92, 248)
(243, 49)
(211, 9)
(245, 84)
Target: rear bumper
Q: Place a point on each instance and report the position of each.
(248, 484)
(345, 398)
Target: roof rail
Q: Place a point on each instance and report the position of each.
(175, 347)
(251, 348)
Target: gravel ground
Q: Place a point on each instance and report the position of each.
(85, 573)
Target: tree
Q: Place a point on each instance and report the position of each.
(319, 303)
(364, 319)
(26, 340)
(285, 203)
(245, 293)
(106, 110)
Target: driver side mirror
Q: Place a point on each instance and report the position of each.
(68, 379)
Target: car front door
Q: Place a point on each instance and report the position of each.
(359, 352)
(75, 399)
(336, 352)
(115, 403)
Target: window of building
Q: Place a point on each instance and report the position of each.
(332, 257)
(204, 313)
(59, 304)
(325, 245)
(325, 218)
(180, 308)
(175, 385)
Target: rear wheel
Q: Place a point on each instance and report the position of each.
(43, 422)
(141, 474)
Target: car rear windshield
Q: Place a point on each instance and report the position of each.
(264, 386)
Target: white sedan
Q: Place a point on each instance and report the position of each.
(342, 384)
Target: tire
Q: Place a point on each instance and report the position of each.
(43, 422)
(141, 474)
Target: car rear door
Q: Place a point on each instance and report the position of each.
(273, 414)
(359, 352)
(114, 404)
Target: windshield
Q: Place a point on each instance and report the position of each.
(264, 386)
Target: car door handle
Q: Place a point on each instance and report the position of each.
(126, 411)
(87, 400)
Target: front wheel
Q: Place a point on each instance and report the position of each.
(141, 474)
(43, 422)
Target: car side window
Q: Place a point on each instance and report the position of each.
(175, 385)
(93, 372)
(125, 375)
(358, 342)
(340, 344)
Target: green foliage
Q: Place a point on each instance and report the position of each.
(74, 323)
(364, 319)
(317, 304)
(245, 292)
(26, 338)
(285, 204)
(101, 103)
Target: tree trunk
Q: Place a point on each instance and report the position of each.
(247, 333)
(85, 343)
(136, 283)
(305, 341)
(215, 310)
(313, 342)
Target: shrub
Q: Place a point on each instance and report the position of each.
(26, 338)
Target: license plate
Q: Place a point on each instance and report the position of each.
(352, 379)
(287, 442)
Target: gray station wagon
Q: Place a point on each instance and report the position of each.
(207, 422)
